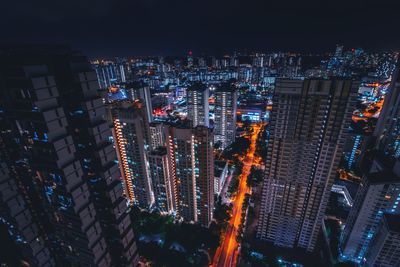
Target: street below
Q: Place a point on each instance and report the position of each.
(227, 252)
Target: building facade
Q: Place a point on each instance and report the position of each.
(157, 133)
(225, 114)
(56, 147)
(385, 247)
(308, 129)
(131, 139)
(387, 129)
(192, 169)
(379, 191)
(17, 217)
(197, 104)
(141, 91)
(159, 171)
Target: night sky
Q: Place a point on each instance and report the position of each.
(172, 27)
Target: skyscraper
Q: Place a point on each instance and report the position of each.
(385, 247)
(109, 73)
(192, 170)
(379, 191)
(225, 114)
(131, 139)
(140, 91)
(259, 60)
(308, 128)
(55, 143)
(339, 51)
(157, 133)
(234, 61)
(17, 217)
(163, 185)
(202, 62)
(387, 128)
(197, 104)
(351, 150)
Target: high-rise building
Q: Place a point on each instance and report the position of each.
(121, 72)
(197, 104)
(109, 73)
(234, 61)
(221, 171)
(379, 191)
(140, 91)
(192, 170)
(225, 114)
(163, 185)
(352, 148)
(157, 133)
(131, 139)
(378, 194)
(59, 158)
(225, 62)
(387, 128)
(105, 75)
(259, 60)
(215, 62)
(16, 216)
(308, 129)
(339, 51)
(385, 247)
(202, 62)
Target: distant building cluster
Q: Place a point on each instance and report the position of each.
(170, 165)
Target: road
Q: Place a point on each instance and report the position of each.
(226, 254)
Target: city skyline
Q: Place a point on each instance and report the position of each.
(164, 134)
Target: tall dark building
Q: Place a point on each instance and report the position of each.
(378, 195)
(308, 129)
(385, 247)
(159, 171)
(17, 221)
(388, 126)
(59, 162)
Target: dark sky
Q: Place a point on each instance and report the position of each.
(173, 27)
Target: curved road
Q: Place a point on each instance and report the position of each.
(226, 254)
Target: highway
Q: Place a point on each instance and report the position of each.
(226, 254)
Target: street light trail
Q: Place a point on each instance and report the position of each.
(226, 254)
